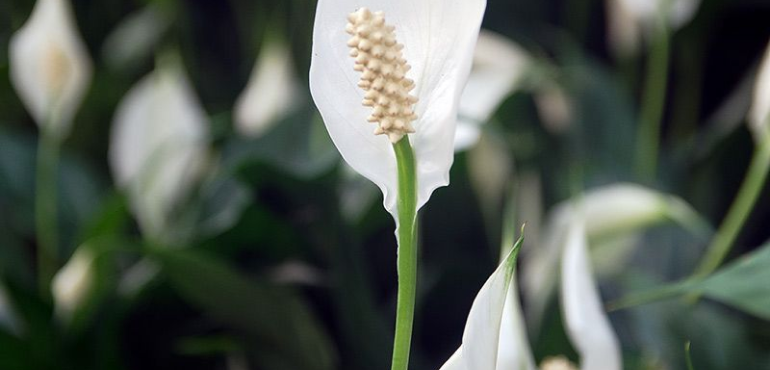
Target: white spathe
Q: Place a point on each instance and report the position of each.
(159, 145)
(439, 38)
(498, 68)
(74, 282)
(271, 93)
(49, 66)
(495, 333)
(759, 114)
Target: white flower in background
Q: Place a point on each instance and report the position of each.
(271, 92)
(630, 20)
(613, 210)
(495, 334)
(759, 114)
(159, 145)
(438, 38)
(74, 282)
(49, 66)
(499, 66)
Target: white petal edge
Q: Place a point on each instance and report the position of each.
(271, 93)
(494, 336)
(588, 326)
(759, 113)
(158, 145)
(439, 37)
(45, 47)
(645, 12)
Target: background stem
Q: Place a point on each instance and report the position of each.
(739, 211)
(653, 102)
(407, 253)
(46, 209)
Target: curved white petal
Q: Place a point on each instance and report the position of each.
(494, 336)
(271, 92)
(158, 145)
(759, 114)
(587, 324)
(498, 67)
(438, 38)
(49, 65)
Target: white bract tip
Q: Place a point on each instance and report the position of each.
(72, 284)
(158, 147)
(759, 115)
(49, 66)
(271, 92)
(383, 70)
(557, 363)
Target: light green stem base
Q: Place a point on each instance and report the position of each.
(739, 211)
(407, 253)
(648, 136)
(46, 210)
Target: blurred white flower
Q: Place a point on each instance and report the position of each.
(49, 66)
(74, 282)
(272, 91)
(438, 38)
(499, 66)
(495, 334)
(630, 20)
(159, 146)
(759, 114)
(611, 210)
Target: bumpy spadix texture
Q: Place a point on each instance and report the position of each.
(383, 73)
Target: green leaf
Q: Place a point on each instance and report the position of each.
(745, 283)
(275, 316)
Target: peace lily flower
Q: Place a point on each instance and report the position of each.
(499, 66)
(158, 146)
(438, 39)
(630, 20)
(495, 335)
(271, 92)
(612, 210)
(49, 66)
(388, 91)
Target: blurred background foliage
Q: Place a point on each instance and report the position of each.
(287, 261)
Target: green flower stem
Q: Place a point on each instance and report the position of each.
(407, 253)
(740, 210)
(46, 209)
(648, 136)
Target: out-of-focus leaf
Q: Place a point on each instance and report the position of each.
(298, 145)
(275, 316)
(744, 283)
(223, 201)
(134, 40)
